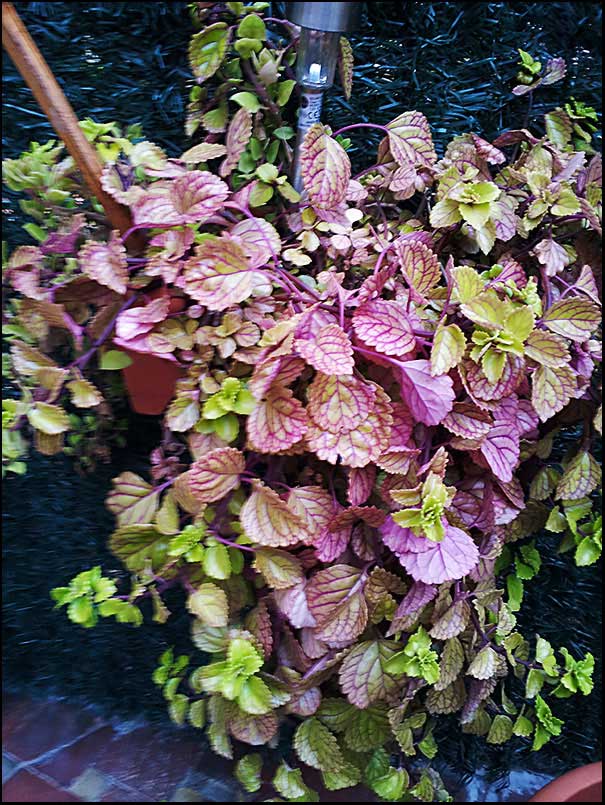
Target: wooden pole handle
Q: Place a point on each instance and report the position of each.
(37, 74)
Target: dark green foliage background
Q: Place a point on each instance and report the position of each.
(127, 62)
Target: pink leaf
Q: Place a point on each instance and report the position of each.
(488, 151)
(192, 198)
(277, 423)
(268, 520)
(260, 240)
(330, 352)
(293, 603)
(360, 446)
(468, 421)
(140, 320)
(336, 601)
(215, 474)
(325, 167)
(105, 262)
(448, 560)
(410, 140)
(417, 597)
(314, 506)
(218, 275)
(360, 485)
(384, 325)
(340, 403)
(419, 265)
(238, 136)
(500, 447)
(429, 398)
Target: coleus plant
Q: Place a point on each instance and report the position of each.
(359, 451)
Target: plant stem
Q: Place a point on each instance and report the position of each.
(360, 126)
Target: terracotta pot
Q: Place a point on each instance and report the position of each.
(150, 382)
(580, 785)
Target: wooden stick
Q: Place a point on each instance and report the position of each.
(37, 74)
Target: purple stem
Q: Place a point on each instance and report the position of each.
(231, 544)
(360, 126)
(83, 359)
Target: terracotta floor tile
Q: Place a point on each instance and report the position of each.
(48, 725)
(68, 764)
(150, 761)
(117, 794)
(16, 711)
(26, 787)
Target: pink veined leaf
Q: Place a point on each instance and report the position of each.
(356, 191)
(468, 421)
(238, 137)
(369, 514)
(360, 446)
(429, 398)
(313, 320)
(360, 483)
(373, 286)
(486, 394)
(305, 704)
(259, 239)
(340, 403)
(552, 389)
(276, 423)
(192, 198)
(462, 154)
(552, 256)
(315, 508)
(448, 560)
(268, 520)
(215, 474)
(105, 262)
(140, 320)
(64, 241)
(218, 275)
(330, 352)
(362, 676)
(419, 265)
(345, 66)
(398, 461)
(504, 217)
(555, 71)
(280, 370)
(384, 324)
(150, 343)
(402, 540)
(547, 348)
(512, 270)
(325, 168)
(293, 603)
(402, 427)
(410, 140)
(164, 253)
(336, 601)
(289, 651)
(330, 545)
(417, 597)
(527, 419)
(586, 284)
(575, 318)
(488, 151)
(500, 448)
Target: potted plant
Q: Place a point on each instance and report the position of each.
(579, 785)
(373, 376)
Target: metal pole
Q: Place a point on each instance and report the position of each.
(321, 25)
(37, 74)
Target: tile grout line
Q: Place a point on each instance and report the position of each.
(49, 754)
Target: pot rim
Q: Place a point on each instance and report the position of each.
(573, 782)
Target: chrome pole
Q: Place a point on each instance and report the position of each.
(321, 25)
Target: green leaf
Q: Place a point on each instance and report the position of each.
(248, 771)
(533, 683)
(49, 419)
(252, 27)
(587, 552)
(255, 697)
(367, 729)
(209, 604)
(178, 709)
(500, 731)
(581, 477)
(392, 785)
(514, 587)
(284, 133)
(247, 101)
(317, 747)
(81, 611)
(547, 726)
(284, 91)
(197, 715)
(523, 727)
(207, 50)
(114, 359)
(428, 746)
(216, 562)
(290, 784)
(135, 545)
